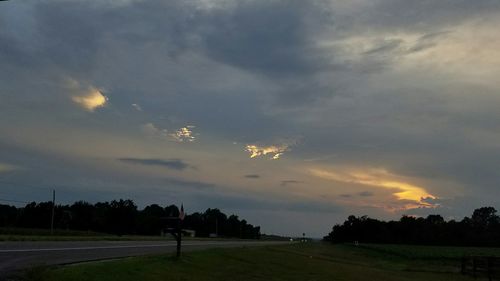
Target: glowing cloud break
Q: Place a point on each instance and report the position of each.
(184, 134)
(91, 99)
(276, 151)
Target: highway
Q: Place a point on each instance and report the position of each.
(19, 255)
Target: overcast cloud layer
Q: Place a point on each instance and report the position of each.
(291, 114)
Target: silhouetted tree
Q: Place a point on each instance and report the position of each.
(8, 215)
(82, 214)
(482, 229)
(122, 217)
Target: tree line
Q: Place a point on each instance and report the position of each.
(481, 229)
(122, 217)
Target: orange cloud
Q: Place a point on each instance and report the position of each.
(403, 190)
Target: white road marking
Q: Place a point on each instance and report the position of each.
(125, 246)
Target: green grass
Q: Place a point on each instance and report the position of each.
(45, 232)
(311, 261)
(433, 252)
(35, 234)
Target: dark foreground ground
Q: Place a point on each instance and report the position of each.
(20, 255)
(295, 262)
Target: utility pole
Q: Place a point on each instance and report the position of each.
(216, 227)
(53, 210)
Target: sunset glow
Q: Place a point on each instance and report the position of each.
(378, 178)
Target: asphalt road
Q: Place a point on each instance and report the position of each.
(19, 255)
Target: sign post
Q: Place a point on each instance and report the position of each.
(182, 215)
(178, 237)
(177, 231)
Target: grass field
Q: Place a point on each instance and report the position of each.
(34, 234)
(310, 261)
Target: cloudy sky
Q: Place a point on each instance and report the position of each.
(291, 114)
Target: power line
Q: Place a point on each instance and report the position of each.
(14, 201)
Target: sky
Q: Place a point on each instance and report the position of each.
(291, 114)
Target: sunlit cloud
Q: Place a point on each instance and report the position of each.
(275, 150)
(184, 134)
(90, 98)
(403, 190)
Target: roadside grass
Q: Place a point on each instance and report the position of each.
(35, 234)
(44, 232)
(309, 261)
(433, 252)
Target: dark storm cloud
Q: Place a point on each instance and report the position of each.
(250, 71)
(75, 48)
(272, 39)
(74, 45)
(269, 37)
(174, 164)
(244, 35)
